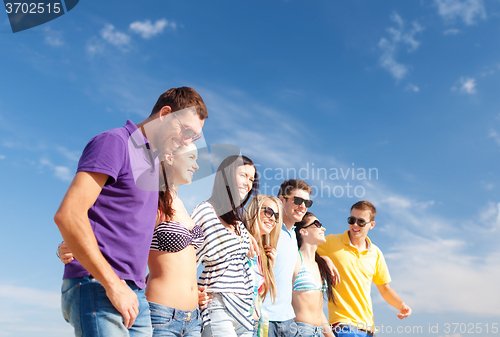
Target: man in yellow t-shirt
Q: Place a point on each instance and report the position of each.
(359, 262)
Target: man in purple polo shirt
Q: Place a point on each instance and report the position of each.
(108, 214)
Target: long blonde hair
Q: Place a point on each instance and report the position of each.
(251, 219)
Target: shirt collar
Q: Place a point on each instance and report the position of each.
(346, 241)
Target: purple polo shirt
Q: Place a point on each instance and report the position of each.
(123, 216)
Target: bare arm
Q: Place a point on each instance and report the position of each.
(391, 297)
(73, 223)
(333, 269)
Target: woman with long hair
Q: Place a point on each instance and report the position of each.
(312, 279)
(262, 219)
(227, 276)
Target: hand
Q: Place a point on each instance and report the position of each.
(203, 297)
(404, 311)
(271, 253)
(64, 253)
(125, 301)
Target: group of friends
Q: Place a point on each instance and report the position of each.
(267, 263)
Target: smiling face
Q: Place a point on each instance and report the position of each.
(244, 179)
(311, 233)
(169, 132)
(294, 213)
(265, 223)
(356, 232)
(182, 164)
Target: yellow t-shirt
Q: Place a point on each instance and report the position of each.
(353, 304)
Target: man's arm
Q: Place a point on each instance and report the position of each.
(391, 297)
(333, 269)
(75, 228)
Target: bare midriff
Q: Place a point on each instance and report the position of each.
(172, 279)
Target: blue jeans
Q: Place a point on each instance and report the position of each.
(171, 322)
(308, 330)
(222, 323)
(87, 308)
(282, 329)
(350, 331)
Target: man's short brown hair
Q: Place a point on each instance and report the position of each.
(365, 206)
(289, 185)
(181, 98)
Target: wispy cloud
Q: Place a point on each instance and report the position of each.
(495, 135)
(467, 85)
(2, 156)
(30, 296)
(469, 11)
(451, 31)
(412, 87)
(147, 30)
(115, 37)
(399, 37)
(62, 173)
(53, 38)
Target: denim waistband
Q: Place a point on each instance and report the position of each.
(309, 329)
(178, 314)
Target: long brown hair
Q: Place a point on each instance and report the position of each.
(225, 198)
(323, 267)
(252, 218)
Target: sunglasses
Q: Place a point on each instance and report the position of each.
(187, 132)
(269, 212)
(361, 222)
(299, 200)
(315, 223)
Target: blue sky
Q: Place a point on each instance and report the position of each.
(406, 90)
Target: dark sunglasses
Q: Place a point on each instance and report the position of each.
(187, 132)
(315, 223)
(361, 222)
(269, 212)
(299, 200)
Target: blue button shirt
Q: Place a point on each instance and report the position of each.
(282, 309)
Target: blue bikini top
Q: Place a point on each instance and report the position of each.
(305, 281)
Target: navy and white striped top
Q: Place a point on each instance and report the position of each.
(224, 255)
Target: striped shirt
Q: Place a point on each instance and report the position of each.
(226, 271)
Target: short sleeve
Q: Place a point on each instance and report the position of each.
(105, 153)
(382, 275)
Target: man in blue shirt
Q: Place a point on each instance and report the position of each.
(295, 195)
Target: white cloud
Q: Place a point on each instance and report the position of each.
(467, 10)
(398, 36)
(412, 87)
(30, 296)
(2, 156)
(493, 134)
(54, 40)
(147, 30)
(451, 31)
(114, 37)
(490, 217)
(62, 173)
(468, 85)
(94, 47)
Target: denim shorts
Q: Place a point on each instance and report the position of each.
(286, 328)
(87, 308)
(222, 323)
(308, 330)
(171, 322)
